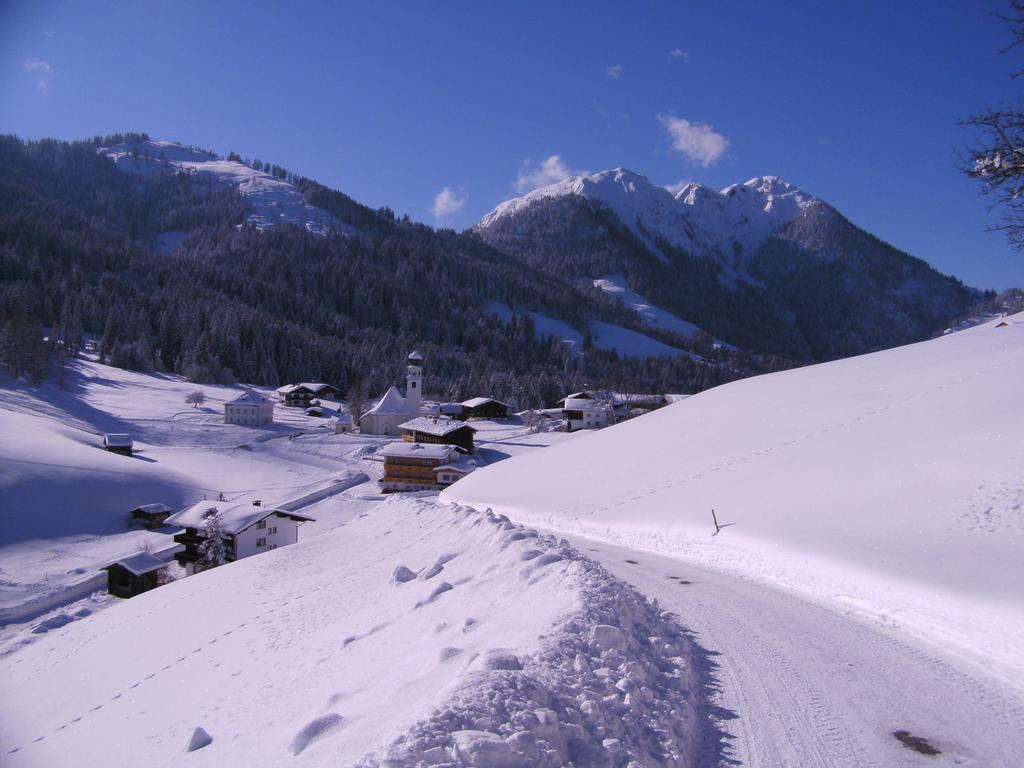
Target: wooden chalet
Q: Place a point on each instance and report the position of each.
(133, 575)
(118, 442)
(151, 515)
(484, 408)
(414, 466)
(300, 395)
(428, 429)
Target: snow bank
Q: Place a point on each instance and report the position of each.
(612, 682)
(889, 485)
(313, 654)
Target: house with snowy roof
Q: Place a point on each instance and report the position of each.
(484, 408)
(151, 515)
(249, 409)
(422, 466)
(386, 416)
(430, 429)
(247, 529)
(300, 395)
(133, 575)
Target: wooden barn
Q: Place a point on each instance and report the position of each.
(427, 429)
(151, 515)
(133, 575)
(484, 408)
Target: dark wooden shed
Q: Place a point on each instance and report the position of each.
(133, 575)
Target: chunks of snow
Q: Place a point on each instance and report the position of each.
(483, 749)
(402, 574)
(199, 739)
(315, 730)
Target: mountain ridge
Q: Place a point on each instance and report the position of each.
(760, 250)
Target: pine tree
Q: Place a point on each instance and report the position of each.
(212, 546)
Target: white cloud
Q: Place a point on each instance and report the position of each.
(44, 72)
(37, 65)
(446, 203)
(679, 53)
(615, 71)
(698, 142)
(550, 171)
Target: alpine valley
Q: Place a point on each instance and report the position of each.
(222, 269)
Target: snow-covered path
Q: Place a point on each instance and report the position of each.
(803, 685)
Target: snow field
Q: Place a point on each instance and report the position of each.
(606, 335)
(888, 486)
(415, 634)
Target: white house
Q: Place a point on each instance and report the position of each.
(393, 409)
(583, 411)
(250, 409)
(248, 529)
(342, 423)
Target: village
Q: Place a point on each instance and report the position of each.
(305, 449)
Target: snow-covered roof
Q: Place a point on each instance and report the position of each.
(415, 356)
(392, 404)
(402, 449)
(317, 386)
(287, 388)
(235, 518)
(152, 509)
(344, 418)
(476, 402)
(118, 439)
(250, 398)
(431, 426)
(463, 466)
(140, 563)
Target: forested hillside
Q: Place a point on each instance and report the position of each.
(83, 252)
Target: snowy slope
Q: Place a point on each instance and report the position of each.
(273, 201)
(722, 224)
(606, 336)
(64, 501)
(418, 632)
(650, 315)
(890, 485)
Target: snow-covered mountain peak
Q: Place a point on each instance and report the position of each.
(696, 218)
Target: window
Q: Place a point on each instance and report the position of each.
(261, 525)
(261, 542)
(273, 530)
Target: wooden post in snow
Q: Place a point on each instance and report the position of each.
(717, 526)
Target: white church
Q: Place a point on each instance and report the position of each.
(393, 409)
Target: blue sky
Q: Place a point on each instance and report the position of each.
(394, 103)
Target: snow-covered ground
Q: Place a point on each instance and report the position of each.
(889, 485)
(606, 336)
(64, 501)
(416, 633)
(273, 201)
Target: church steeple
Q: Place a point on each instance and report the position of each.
(414, 382)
